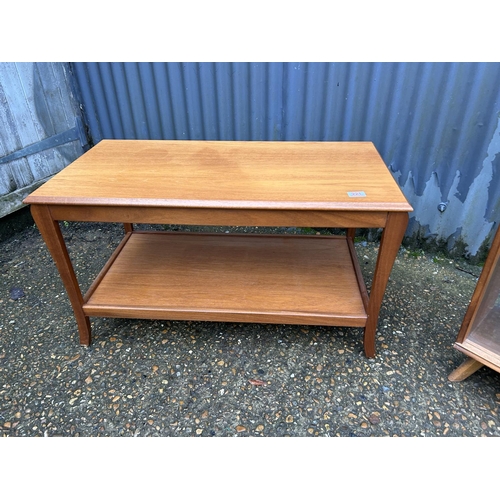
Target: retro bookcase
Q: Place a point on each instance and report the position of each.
(479, 335)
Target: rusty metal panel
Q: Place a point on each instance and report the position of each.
(41, 128)
(435, 124)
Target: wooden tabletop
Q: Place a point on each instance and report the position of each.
(227, 174)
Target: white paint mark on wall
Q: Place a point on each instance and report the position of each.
(467, 217)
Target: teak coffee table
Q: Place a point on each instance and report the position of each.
(313, 280)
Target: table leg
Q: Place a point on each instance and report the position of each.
(51, 233)
(128, 227)
(390, 243)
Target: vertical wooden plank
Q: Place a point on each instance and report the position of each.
(48, 103)
(27, 79)
(16, 173)
(17, 82)
(67, 106)
(63, 107)
(49, 115)
(36, 103)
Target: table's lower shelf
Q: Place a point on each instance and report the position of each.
(230, 277)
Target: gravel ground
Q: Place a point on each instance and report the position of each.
(174, 378)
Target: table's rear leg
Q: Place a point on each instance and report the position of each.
(128, 227)
(51, 233)
(390, 243)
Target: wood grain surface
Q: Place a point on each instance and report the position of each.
(258, 278)
(227, 174)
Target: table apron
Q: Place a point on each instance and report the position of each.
(220, 217)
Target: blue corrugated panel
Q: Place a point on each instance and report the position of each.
(435, 124)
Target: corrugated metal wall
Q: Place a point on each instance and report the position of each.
(40, 128)
(435, 124)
